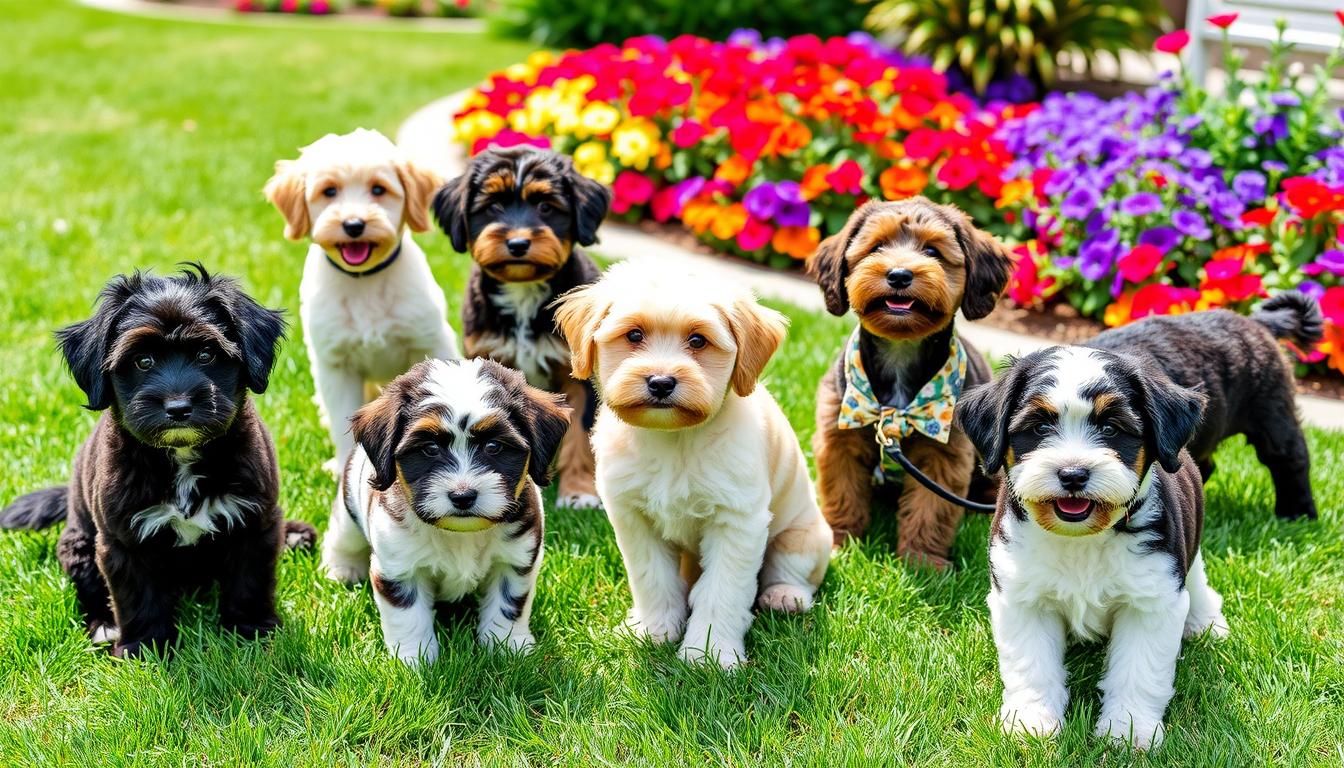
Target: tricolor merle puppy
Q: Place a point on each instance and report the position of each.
(440, 499)
(177, 486)
(522, 213)
(1096, 533)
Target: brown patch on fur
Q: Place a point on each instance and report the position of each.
(1042, 403)
(759, 332)
(486, 422)
(575, 464)
(802, 541)
(427, 423)
(690, 568)
(399, 594)
(927, 524)
(1103, 517)
(1105, 400)
(285, 191)
(546, 256)
(500, 181)
(577, 316)
(420, 185)
(537, 187)
(845, 461)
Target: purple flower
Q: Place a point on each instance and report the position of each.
(1095, 258)
(1312, 288)
(1249, 186)
(1161, 238)
(748, 38)
(687, 190)
(1141, 204)
(1331, 261)
(1194, 157)
(762, 201)
(1273, 127)
(1227, 209)
(782, 202)
(1192, 122)
(1274, 166)
(1080, 202)
(1285, 99)
(1191, 224)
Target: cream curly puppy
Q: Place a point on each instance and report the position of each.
(701, 475)
(368, 301)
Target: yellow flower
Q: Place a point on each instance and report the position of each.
(598, 119)
(635, 142)
(477, 125)
(590, 159)
(541, 58)
(1013, 192)
(521, 73)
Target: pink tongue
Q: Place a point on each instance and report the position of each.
(900, 303)
(356, 253)
(1072, 505)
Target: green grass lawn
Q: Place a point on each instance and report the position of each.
(151, 140)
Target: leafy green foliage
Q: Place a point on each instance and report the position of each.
(991, 39)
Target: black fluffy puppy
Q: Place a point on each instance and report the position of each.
(1238, 364)
(177, 486)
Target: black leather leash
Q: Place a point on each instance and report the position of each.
(893, 448)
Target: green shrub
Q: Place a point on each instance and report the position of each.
(993, 39)
(583, 23)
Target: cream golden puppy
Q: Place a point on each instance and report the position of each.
(701, 475)
(368, 301)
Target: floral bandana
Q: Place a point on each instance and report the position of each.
(929, 413)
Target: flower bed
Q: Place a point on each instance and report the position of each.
(325, 7)
(1166, 201)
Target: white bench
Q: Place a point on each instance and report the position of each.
(1312, 27)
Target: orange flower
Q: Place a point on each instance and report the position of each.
(734, 170)
(1245, 252)
(1013, 192)
(788, 137)
(798, 242)
(728, 221)
(1120, 311)
(1333, 346)
(699, 215)
(814, 181)
(901, 181)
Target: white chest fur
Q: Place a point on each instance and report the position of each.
(189, 517)
(536, 355)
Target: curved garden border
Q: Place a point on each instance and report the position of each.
(423, 136)
(157, 10)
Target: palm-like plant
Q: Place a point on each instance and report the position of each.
(987, 39)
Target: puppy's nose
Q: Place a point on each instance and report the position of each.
(661, 386)
(1073, 478)
(462, 499)
(353, 227)
(518, 246)
(900, 278)
(178, 409)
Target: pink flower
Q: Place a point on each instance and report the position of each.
(1223, 20)
(688, 134)
(289, 6)
(631, 188)
(1140, 263)
(319, 7)
(958, 172)
(755, 234)
(846, 179)
(1172, 42)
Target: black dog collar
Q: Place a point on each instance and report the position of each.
(386, 262)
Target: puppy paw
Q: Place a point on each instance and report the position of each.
(725, 655)
(252, 629)
(414, 656)
(101, 634)
(789, 598)
(515, 641)
(578, 501)
(1215, 626)
(1139, 733)
(1030, 720)
(657, 629)
(299, 535)
(345, 573)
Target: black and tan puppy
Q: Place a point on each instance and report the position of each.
(521, 213)
(177, 485)
(904, 269)
(1238, 365)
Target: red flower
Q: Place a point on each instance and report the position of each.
(1140, 263)
(958, 172)
(1172, 42)
(1258, 217)
(1223, 20)
(1340, 15)
(1310, 198)
(847, 178)
(1159, 299)
(688, 133)
(925, 144)
(630, 189)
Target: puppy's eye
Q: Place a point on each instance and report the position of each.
(1109, 430)
(1042, 430)
(329, 192)
(492, 448)
(431, 449)
(697, 341)
(144, 362)
(932, 252)
(635, 336)
(545, 209)
(378, 190)
(205, 356)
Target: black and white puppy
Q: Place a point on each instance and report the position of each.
(440, 499)
(523, 215)
(1238, 364)
(1096, 533)
(177, 486)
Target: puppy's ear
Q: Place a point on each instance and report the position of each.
(589, 201)
(988, 265)
(578, 313)
(758, 331)
(260, 331)
(285, 190)
(828, 266)
(983, 413)
(1170, 413)
(450, 210)
(377, 428)
(419, 184)
(85, 344)
(546, 419)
